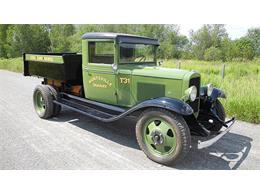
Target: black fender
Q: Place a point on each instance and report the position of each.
(216, 93)
(171, 104)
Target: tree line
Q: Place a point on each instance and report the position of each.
(210, 42)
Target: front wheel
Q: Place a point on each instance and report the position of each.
(163, 136)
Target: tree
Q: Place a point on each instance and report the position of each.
(59, 37)
(245, 48)
(206, 37)
(212, 54)
(75, 39)
(228, 49)
(172, 43)
(181, 44)
(26, 38)
(254, 35)
(3, 40)
(210, 42)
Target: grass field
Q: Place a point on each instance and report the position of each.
(14, 64)
(241, 83)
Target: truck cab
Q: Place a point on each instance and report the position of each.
(122, 70)
(108, 63)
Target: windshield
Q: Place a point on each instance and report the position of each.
(137, 53)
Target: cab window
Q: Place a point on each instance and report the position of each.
(101, 52)
(137, 53)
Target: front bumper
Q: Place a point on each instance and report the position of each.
(213, 140)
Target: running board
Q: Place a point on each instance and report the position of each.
(85, 110)
(94, 103)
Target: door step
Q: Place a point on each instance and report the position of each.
(97, 110)
(84, 109)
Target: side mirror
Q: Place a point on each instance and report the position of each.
(114, 67)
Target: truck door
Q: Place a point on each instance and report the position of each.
(99, 76)
(124, 92)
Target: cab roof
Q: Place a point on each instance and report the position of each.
(121, 38)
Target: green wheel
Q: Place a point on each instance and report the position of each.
(163, 136)
(42, 100)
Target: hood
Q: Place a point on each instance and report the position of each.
(159, 72)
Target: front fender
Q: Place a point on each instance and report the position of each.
(216, 93)
(171, 104)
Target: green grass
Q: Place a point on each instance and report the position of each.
(241, 83)
(14, 64)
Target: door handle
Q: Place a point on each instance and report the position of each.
(87, 70)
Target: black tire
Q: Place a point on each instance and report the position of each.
(183, 137)
(56, 107)
(56, 110)
(47, 110)
(220, 110)
(221, 114)
(215, 126)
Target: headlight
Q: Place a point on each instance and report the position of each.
(192, 93)
(209, 89)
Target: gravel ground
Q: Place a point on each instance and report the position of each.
(74, 141)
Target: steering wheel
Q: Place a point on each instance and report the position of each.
(142, 58)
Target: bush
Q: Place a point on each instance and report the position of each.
(213, 54)
(245, 48)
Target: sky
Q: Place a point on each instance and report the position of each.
(234, 30)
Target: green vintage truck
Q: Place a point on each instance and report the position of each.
(118, 75)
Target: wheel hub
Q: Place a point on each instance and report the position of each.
(157, 137)
(39, 103)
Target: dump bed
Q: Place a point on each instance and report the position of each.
(57, 66)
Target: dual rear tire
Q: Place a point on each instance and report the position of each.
(43, 97)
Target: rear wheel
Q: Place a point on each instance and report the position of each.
(56, 107)
(43, 101)
(163, 136)
(56, 110)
